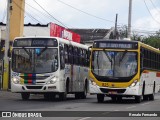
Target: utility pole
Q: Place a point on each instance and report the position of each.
(115, 32)
(6, 61)
(129, 19)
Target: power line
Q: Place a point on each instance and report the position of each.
(46, 15)
(154, 6)
(38, 11)
(150, 12)
(86, 12)
(26, 12)
(49, 14)
(94, 15)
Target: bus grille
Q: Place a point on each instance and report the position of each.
(34, 87)
(35, 77)
(104, 90)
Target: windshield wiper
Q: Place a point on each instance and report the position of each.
(44, 49)
(122, 56)
(30, 55)
(110, 59)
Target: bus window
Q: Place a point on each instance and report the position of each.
(66, 53)
(62, 61)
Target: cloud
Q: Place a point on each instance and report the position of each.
(3, 7)
(106, 9)
(149, 23)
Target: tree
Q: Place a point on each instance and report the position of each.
(153, 40)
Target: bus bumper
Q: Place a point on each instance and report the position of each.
(129, 91)
(18, 88)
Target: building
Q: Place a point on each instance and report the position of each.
(86, 35)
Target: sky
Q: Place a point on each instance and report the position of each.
(91, 13)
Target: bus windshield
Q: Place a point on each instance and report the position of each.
(114, 64)
(35, 60)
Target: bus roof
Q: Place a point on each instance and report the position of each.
(126, 41)
(114, 40)
(60, 40)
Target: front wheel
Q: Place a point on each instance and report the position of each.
(62, 96)
(100, 98)
(138, 99)
(84, 94)
(25, 96)
(49, 96)
(151, 97)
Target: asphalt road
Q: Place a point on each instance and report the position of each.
(13, 102)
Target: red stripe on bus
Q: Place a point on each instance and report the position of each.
(158, 74)
(29, 81)
(30, 75)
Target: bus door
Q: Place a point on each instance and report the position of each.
(62, 65)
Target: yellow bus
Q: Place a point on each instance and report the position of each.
(122, 68)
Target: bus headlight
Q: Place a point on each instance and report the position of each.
(134, 83)
(53, 80)
(15, 80)
(92, 82)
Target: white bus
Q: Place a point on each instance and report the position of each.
(50, 66)
(121, 68)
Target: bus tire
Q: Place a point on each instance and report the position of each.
(77, 95)
(84, 94)
(63, 96)
(25, 96)
(100, 98)
(119, 98)
(114, 98)
(151, 97)
(138, 99)
(49, 96)
(145, 97)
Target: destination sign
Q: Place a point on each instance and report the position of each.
(35, 42)
(118, 45)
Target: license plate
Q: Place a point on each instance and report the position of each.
(112, 92)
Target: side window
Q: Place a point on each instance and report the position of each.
(62, 61)
(75, 56)
(81, 57)
(70, 55)
(85, 58)
(78, 56)
(88, 58)
(66, 53)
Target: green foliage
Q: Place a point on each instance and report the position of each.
(153, 40)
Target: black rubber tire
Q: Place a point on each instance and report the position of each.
(114, 98)
(100, 98)
(145, 97)
(138, 99)
(62, 96)
(84, 94)
(25, 96)
(119, 98)
(49, 96)
(77, 95)
(151, 97)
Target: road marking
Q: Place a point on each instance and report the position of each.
(116, 110)
(84, 118)
(146, 103)
(130, 107)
